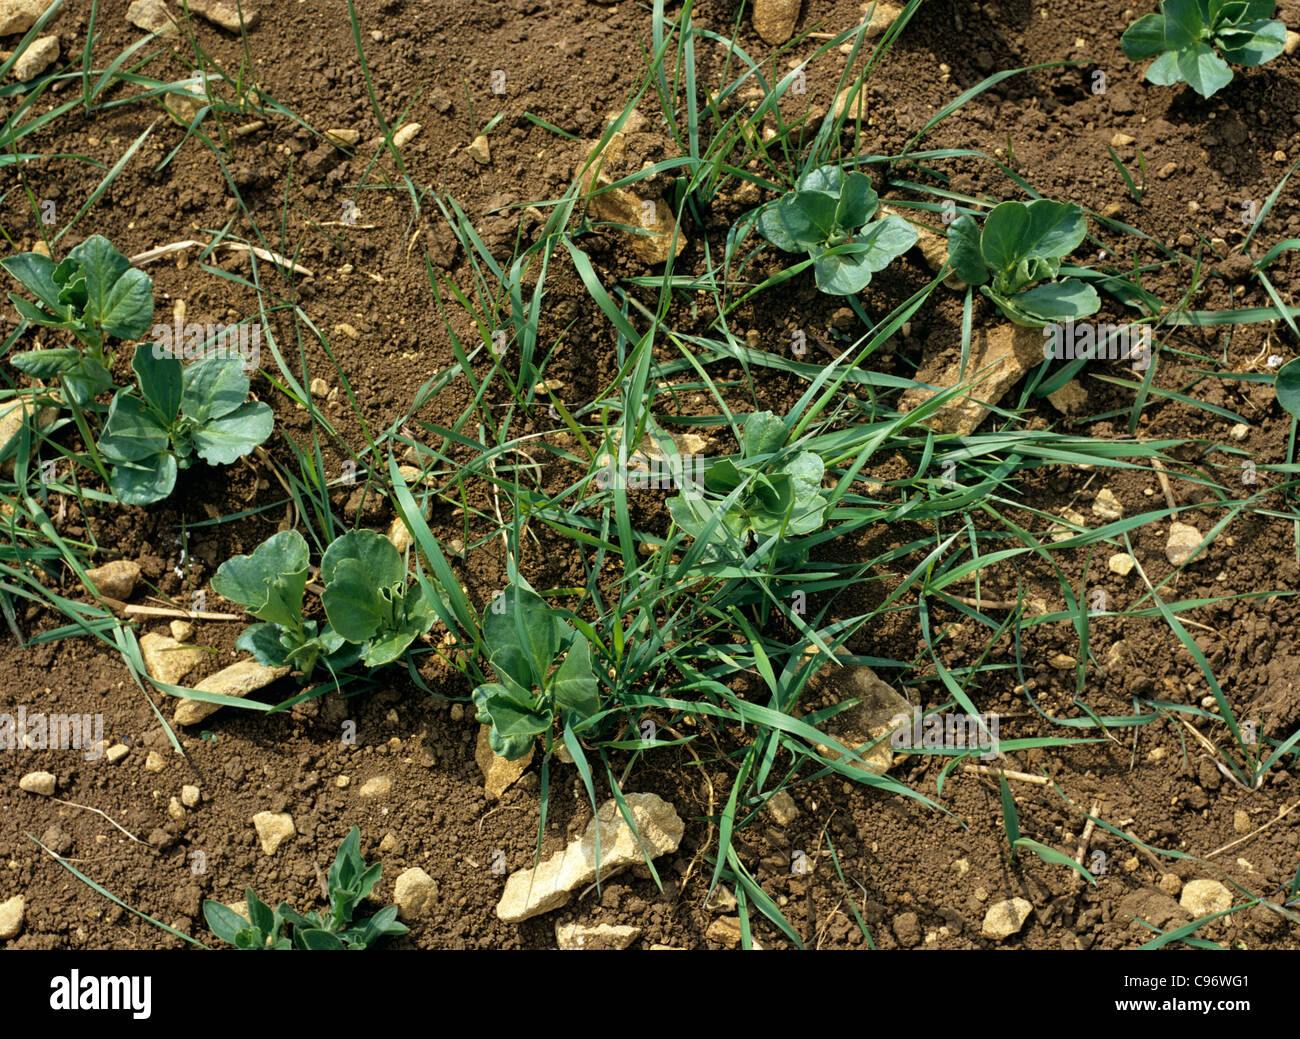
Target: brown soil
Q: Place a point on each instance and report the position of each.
(920, 878)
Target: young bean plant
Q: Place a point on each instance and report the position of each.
(1197, 41)
(1021, 245)
(828, 216)
(350, 882)
(94, 294)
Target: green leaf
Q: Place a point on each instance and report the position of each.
(35, 273)
(224, 922)
(848, 268)
(574, 685)
(387, 646)
(119, 298)
(128, 308)
(145, 481)
(29, 311)
(268, 583)
(316, 938)
(1003, 241)
(964, 251)
(1204, 70)
(763, 434)
(132, 432)
(263, 641)
(214, 386)
(1287, 387)
(808, 216)
(1062, 301)
(1145, 38)
(352, 603)
(374, 551)
(1164, 71)
(1183, 23)
(1253, 43)
(515, 722)
(770, 226)
(520, 618)
(220, 441)
(46, 364)
(858, 201)
(829, 178)
(160, 381)
(1055, 229)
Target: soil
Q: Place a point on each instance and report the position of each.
(920, 878)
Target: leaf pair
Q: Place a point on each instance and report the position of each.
(1023, 243)
(179, 412)
(828, 216)
(350, 882)
(781, 500)
(524, 638)
(1193, 41)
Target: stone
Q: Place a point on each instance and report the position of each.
(1121, 563)
(13, 414)
(11, 917)
(20, 15)
(782, 809)
(883, 15)
(42, 783)
(1106, 506)
(415, 893)
(273, 829)
(498, 772)
(1006, 918)
(376, 786)
(225, 13)
(774, 20)
(1183, 539)
(1000, 355)
(479, 150)
(116, 753)
(406, 135)
(40, 54)
(529, 893)
(1241, 821)
(1205, 898)
(1292, 42)
(168, 661)
(867, 725)
(400, 534)
(595, 937)
(1122, 140)
(343, 138)
(115, 580)
(237, 680)
(153, 16)
(1239, 431)
(725, 930)
(155, 762)
(599, 170)
(1070, 399)
(907, 929)
(1170, 884)
(175, 809)
(342, 782)
(1153, 906)
(190, 796)
(319, 387)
